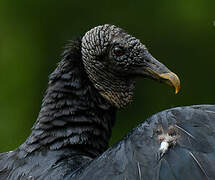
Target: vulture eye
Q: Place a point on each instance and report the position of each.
(118, 51)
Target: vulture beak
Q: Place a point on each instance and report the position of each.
(152, 68)
(169, 78)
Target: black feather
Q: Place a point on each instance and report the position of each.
(136, 156)
(75, 121)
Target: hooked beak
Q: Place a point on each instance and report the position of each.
(154, 69)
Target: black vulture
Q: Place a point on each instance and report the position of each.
(95, 77)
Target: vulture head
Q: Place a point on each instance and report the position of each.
(113, 59)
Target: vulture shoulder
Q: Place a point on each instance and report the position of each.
(173, 144)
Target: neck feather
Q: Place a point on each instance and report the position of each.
(73, 114)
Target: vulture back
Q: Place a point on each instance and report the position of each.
(189, 156)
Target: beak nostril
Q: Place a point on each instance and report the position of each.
(147, 60)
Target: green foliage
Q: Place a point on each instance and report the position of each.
(32, 33)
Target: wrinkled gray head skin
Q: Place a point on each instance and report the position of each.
(112, 59)
(107, 68)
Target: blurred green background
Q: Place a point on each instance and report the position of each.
(181, 34)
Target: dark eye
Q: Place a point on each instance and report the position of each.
(118, 51)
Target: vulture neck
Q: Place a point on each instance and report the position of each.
(73, 115)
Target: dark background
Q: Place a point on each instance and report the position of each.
(181, 34)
